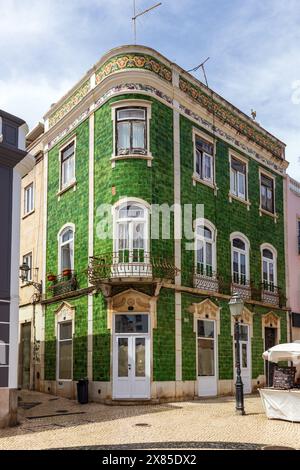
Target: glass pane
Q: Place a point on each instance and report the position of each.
(235, 262)
(204, 146)
(206, 367)
(131, 323)
(243, 263)
(123, 236)
(265, 271)
(243, 332)
(140, 363)
(271, 273)
(270, 200)
(206, 328)
(65, 330)
(65, 360)
(138, 235)
(242, 185)
(209, 254)
(238, 243)
(237, 165)
(122, 357)
(133, 113)
(123, 135)
(131, 211)
(138, 135)
(200, 252)
(198, 163)
(268, 182)
(67, 235)
(66, 257)
(233, 175)
(68, 152)
(244, 356)
(207, 166)
(267, 254)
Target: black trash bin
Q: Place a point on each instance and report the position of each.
(83, 391)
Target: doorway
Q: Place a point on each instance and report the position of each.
(25, 354)
(270, 341)
(207, 358)
(245, 357)
(131, 356)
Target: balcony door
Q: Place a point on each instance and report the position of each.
(131, 257)
(207, 358)
(131, 356)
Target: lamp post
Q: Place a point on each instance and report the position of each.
(236, 306)
(24, 269)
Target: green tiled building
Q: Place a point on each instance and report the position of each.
(162, 199)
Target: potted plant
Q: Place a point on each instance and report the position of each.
(51, 277)
(67, 273)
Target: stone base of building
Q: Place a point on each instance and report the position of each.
(101, 392)
(8, 407)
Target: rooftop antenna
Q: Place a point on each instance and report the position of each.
(137, 15)
(203, 70)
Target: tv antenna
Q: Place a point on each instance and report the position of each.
(137, 15)
(201, 66)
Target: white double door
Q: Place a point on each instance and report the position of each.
(131, 357)
(245, 358)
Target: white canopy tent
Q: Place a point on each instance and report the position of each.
(284, 352)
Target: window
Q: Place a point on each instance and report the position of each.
(28, 199)
(269, 268)
(240, 260)
(238, 183)
(131, 241)
(68, 165)
(66, 249)
(205, 249)
(204, 159)
(131, 131)
(65, 351)
(27, 259)
(267, 193)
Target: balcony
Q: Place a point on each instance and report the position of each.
(270, 294)
(136, 265)
(63, 284)
(205, 278)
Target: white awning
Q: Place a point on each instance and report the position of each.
(284, 352)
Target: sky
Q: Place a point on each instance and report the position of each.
(46, 46)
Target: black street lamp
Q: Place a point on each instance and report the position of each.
(236, 306)
(24, 269)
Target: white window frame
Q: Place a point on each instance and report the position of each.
(267, 246)
(71, 183)
(261, 209)
(134, 103)
(237, 195)
(27, 192)
(206, 223)
(60, 245)
(140, 203)
(242, 237)
(29, 273)
(196, 177)
(58, 341)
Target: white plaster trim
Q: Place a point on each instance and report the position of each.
(45, 215)
(91, 241)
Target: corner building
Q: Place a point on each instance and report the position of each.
(144, 317)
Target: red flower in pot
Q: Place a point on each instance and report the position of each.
(51, 277)
(67, 272)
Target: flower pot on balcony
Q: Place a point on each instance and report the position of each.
(52, 277)
(67, 273)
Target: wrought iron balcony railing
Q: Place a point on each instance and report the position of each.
(270, 294)
(63, 284)
(129, 264)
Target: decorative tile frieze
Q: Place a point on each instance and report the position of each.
(227, 116)
(133, 61)
(70, 103)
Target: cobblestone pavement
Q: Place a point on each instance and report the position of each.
(209, 423)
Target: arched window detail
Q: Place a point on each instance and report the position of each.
(240, 259)
(66, 249)
(131, 240)
(205, 248)
(269, 267)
